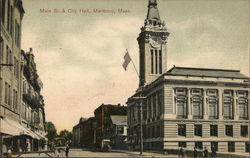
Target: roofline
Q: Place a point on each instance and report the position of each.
(169, 74)
(194, 68)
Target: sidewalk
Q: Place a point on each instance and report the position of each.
(146, 154)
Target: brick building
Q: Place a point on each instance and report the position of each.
(103, 119)
(83, 133)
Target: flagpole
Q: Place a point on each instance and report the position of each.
(133, 64)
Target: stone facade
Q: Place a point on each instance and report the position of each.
(188, 107)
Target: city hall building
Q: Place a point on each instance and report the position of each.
(183, 106)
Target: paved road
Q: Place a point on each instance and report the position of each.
(123, 154)
(86, 153)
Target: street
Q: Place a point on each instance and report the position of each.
(121, 153)
(87, 153)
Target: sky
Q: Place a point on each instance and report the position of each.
(79, 55)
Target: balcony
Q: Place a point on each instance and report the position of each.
(33, 102)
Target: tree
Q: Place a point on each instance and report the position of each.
(66, 135)
(51, 131)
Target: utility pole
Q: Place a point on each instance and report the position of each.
(141, 136)
(141, 97)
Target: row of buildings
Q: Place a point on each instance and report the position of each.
(178, 107)
(109, 123)
(22, 115)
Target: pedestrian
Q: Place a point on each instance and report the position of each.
(213, 155)
(205, 152)
(67, 151)
(195, 152)
(9, 152)
(181, 152)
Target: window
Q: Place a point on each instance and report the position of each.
(229, 130)
(241, 93)
(244, 130)
(228, 104)
(153, 132)
(181, 109)
(3, 11)
(231, 146)
(243, 115)
(198, 130)
(1, 51)
(212, 102)
(214, 130)
(198, 145)
(159, 103)
(152, 61)
(10, 59)
(214, 145)
(156, 62)
(181, 102)
(6, 93)
(197, 109)
(6, 55)
(181, 130)
(149, 108)
(158, 131)
(9, 95)
(242, 103)
(11, 20)
(213, 110)
(120, 130)
(149, 135)
(154, 105)
(197, 103)
(247, 146)
(8, 18)
(212, 92)
(160, 62)
(14, 98)
(182, 144)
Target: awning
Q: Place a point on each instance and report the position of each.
(7, 128)
(13, 128)
(42, 136)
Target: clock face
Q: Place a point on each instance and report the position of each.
(155, 42)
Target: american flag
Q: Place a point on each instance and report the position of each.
(127, 60)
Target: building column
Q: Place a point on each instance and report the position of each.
(220, 98)
(189, 105)
(205, 107)
(235, 106)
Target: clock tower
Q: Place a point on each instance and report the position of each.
(152, 46)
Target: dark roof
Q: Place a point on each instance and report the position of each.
(205, 72)
(119, 119)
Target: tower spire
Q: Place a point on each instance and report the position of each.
(153, 16)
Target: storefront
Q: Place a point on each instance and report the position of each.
(19, 138)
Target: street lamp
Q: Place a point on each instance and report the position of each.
(141, 97)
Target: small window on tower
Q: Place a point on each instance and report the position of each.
(152, 61)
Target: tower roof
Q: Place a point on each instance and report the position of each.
(153, 12)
